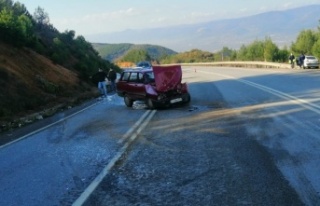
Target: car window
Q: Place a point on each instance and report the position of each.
(148, 77)
(311, 58)
(125, 76)
(140, 77)
(151, 76)
(133, 77)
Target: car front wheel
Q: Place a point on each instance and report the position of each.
(128, 101)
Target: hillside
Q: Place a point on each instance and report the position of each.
(282, 26)
(31, 83)
(112, 52)
(41, 69)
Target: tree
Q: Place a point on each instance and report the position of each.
(316, 48)
(226, 54)
(242, 53)
(304, 43)
(20, 9)
(270, 51)
(283, 54)
(6, 4)
(68, 36)
(136, 55)
(256, 51)
(252, 52)
(40, 16)
(9, 26)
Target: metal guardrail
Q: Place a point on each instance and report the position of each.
(251, 64)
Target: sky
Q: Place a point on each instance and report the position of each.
(87, 17)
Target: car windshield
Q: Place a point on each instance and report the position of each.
(149, 77)
(312, 57)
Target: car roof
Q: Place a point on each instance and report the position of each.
(138, 69)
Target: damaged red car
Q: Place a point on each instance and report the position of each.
(158, 86)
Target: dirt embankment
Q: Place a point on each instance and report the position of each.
(31, 83)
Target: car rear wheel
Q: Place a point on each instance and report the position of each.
(150, 104)
(128, 101)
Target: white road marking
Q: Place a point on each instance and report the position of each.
(43, 128)
(304, 103)
(94, 184)
(125, 136)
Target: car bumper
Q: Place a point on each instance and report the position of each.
(311, 64)
(173, 100)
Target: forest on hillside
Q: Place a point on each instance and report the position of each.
(21, 29)
(116, 52)
(41, 67)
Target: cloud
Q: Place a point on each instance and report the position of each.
(243, 10)
(91, 23)
(202, 14)
(201, 30)
(100, 17)
(130, 12)
(159, 19)
(263, 9)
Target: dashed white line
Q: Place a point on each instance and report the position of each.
(43, 128)
(304, 103)
(87, 192)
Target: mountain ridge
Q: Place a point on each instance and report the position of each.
(112, 52)
(282, 26)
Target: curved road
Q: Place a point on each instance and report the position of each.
(248, 137)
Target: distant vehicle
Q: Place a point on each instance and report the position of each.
(144, 64)
(310, 62)
(158, 86)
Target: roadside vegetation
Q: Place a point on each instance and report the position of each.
(40, 67)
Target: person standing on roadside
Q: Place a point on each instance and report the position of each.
(100, 77)
(112, 76)
(291, 58)
(301, 60)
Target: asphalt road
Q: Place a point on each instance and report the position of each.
(248, 137)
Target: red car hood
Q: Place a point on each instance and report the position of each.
(167, 77)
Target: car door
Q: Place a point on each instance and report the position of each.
(135, 87)
(122, 83)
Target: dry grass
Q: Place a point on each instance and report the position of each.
(31, 83)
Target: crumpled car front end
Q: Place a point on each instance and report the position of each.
(168, 88)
